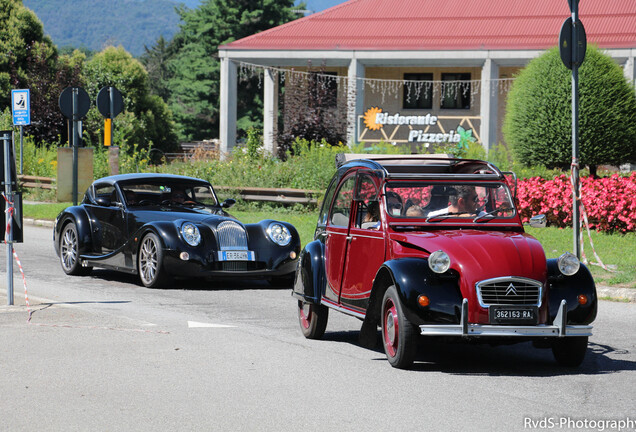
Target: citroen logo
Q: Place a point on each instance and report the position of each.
(511, 290)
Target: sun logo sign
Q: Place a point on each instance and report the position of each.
(370, 118)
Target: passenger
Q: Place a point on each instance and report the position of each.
(414, 211)
(394, 204)
(131, 197)
(372, 217)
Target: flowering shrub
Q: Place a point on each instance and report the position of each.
(609, 202)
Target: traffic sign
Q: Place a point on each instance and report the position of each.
(110, 102)
(66, 102)
(21, 107)
(572, 51)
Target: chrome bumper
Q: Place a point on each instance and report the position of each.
(558, 329)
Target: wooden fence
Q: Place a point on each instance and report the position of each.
(275, 195)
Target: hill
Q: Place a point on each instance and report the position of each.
(95, 24)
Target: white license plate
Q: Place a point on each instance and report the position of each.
(513, 315)
(236, 256)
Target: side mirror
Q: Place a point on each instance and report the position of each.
(538, 221)
(228, 203)
(103, 201)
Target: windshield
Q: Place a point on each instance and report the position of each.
(440, 200)
(168, 193)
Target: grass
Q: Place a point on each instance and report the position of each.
(615, 250)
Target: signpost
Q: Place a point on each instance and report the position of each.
(21, 109)
(74, 104)
(572, 47)
(110, 103)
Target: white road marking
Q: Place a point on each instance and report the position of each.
(194, 324)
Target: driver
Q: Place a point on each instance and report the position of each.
(178, 196)
(462, 200)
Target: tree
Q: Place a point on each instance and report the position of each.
(155, 60)
(538, 122)
(194, 88)
(116, 67)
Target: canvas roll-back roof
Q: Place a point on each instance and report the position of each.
(432, 166)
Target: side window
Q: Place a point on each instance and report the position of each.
(106, 191)
(341, 209)
(368, 213)
(326, 202)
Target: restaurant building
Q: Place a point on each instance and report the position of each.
(414, 72)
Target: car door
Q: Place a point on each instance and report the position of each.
(108, 221)
(337, 231)
(366, 246)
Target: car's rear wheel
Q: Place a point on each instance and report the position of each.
(313, 319)
(570, 351)
(150, 262)
(399, 336)
(69, 252)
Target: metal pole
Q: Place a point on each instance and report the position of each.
(575, 134)
(110, 112)
(21, 147)
(75, 143)
(6, 139)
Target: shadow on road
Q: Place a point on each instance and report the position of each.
(505, 360)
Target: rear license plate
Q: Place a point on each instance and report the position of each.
(513, 315)
(236, 256)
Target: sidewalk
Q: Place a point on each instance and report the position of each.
(604, 292)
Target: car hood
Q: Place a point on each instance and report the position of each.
(180, 213)
(478, 255)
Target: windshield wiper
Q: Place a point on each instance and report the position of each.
(492, 213)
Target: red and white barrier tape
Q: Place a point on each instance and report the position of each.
(9, 213)
(575, 164)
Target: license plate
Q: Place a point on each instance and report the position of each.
(236, 256)
(513, 315)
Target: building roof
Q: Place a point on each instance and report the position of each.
(448, 25)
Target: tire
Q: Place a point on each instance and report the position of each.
(150, 262)
(312, 319)
(570, 351)
(399, 336)
(69, 252)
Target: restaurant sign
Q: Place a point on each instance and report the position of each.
(423, 129)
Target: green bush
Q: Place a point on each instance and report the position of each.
(538, 122)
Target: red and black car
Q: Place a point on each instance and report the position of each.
(434, 246)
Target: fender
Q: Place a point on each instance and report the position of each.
(77, 215)
(260, 242)
(568, 288)
(413, 277)
(309, 284)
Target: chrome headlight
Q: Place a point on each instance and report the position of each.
(439, 261)
(190, 234)
(279, 234)
(569, 264)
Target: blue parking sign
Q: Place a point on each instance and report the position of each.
(21, 107)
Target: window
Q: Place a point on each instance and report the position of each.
(455, 91)
(342, 204)
(323, 90)
(418, 95)
(324, 210)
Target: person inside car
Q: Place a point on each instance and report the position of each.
(463, 201)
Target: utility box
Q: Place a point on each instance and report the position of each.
(65, 172)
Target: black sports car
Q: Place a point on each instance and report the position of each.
(159, 226)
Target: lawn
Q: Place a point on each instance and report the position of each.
(617, 251)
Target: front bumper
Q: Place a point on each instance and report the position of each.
(558, 329)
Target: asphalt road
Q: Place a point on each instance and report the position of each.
(104, 353)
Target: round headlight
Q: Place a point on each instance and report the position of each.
(568, 264)
(439, 261)
(190, 234)
(279, 234)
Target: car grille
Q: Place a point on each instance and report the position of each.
(509, 291)
(231, 236)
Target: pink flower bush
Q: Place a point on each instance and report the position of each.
(610, 202)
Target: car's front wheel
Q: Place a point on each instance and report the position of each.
(399, 335)
(69, 252)
(570, 351)
(150, 262)
(313, 319)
